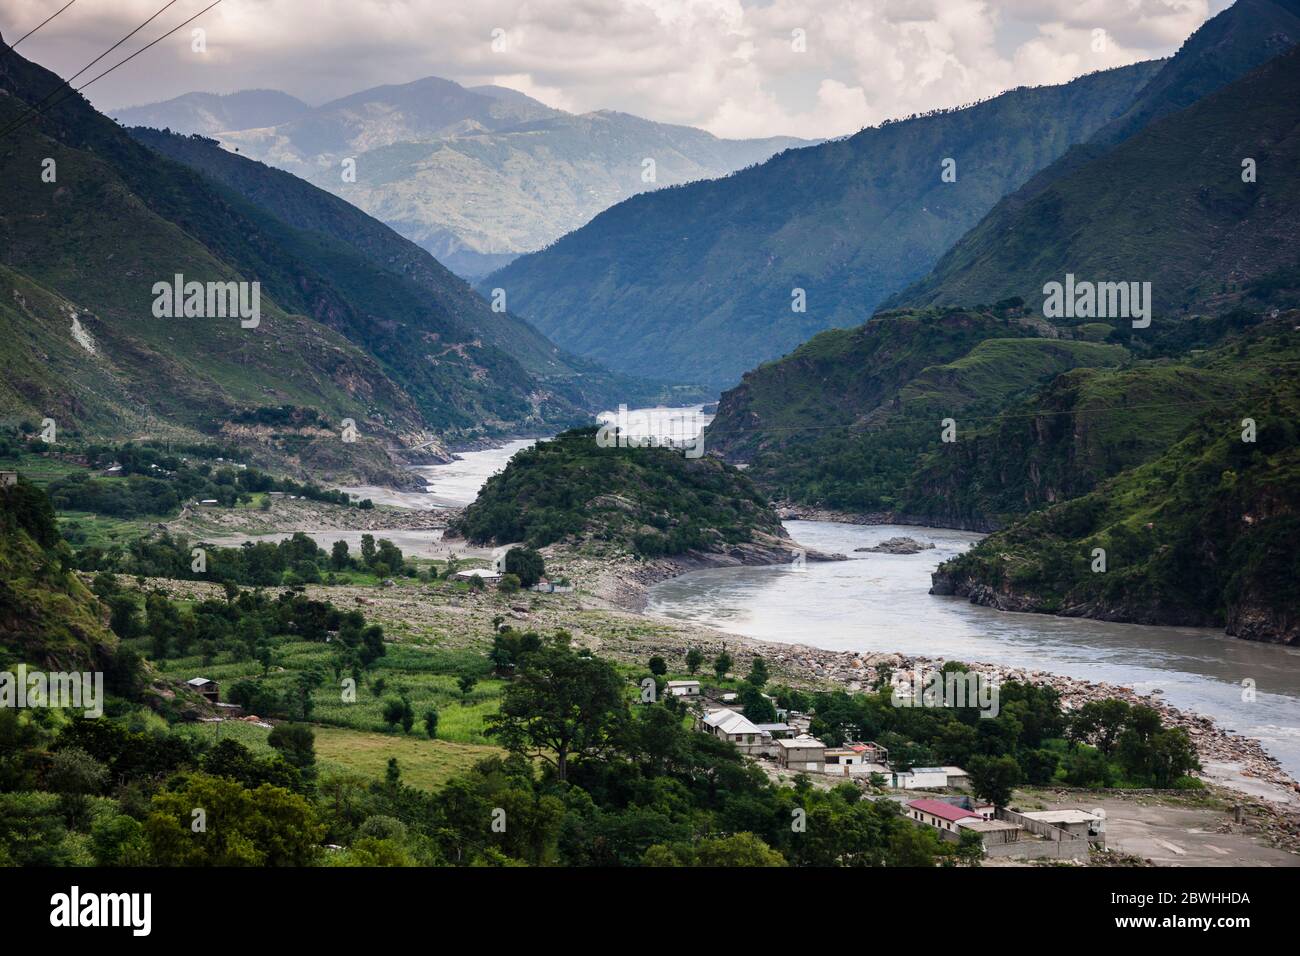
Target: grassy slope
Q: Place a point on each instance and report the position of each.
(696, 281)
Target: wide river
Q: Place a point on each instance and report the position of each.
(880, 602)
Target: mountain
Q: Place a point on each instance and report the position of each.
(844, 420)
(208, 113)
(1187, 233)
(475, 176)
(1202, 535)
(697, 282)
(416, 281)
(339, 332)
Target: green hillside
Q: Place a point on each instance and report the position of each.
(1185, 220)
(47, 616)
(843, 421)
(403, 278)
(695, 282)
(1204, 534)
(650, 501)
(341, 331)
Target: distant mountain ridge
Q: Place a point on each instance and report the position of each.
(474, 175)
(702, 282)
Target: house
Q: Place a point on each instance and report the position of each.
(1078, 823)
(801, 753)
(482, 573)
(551, 587)
(952, 819)
(957, 777)
(684, 688)
(993, 832)
(940, 815)
(8, 478)
(777, 730)
(734, 728)
(210, 502)
(210, 689)
(921, 778)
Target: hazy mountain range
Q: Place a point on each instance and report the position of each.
(475, 176)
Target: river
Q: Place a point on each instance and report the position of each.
(880, 602)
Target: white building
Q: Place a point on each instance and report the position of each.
(921, 778)
(684, 688)
(735, 728)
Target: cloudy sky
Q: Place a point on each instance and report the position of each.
(734, 67)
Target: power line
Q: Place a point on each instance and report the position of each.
(43, 104)
(39, 110)
(42, 23)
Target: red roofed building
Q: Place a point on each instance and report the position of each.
(940, 815)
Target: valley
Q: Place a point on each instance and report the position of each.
(564, 465)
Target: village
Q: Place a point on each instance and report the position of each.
(935, 797)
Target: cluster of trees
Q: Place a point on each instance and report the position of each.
(247, 626)
(589, 780)
(573, 487)
(155, 481)
(292, 561)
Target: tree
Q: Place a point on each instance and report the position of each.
(694, 658)
(1100, 722)
(268, 826)
(739, 849)
(721, 664)
(658, 666)
(559, 704)
(466, 683)
(397, 710)
(526, 564)
(297, 744)
(994, 778)
(758, 709)
(758, 674)
(339, 558)
(431, 722)
(509, 584)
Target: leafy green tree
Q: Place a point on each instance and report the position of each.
(758, 675)
(431, 722)
(994, 778)
(559, 704)
(694, 658)
(297, 744)
(466, 683)
(658, 666)
(739, 850)
(721, 664)
(268, 826)
(526, 564)
(509, 584)
(758, 709)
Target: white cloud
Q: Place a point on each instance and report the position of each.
(725, 65)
